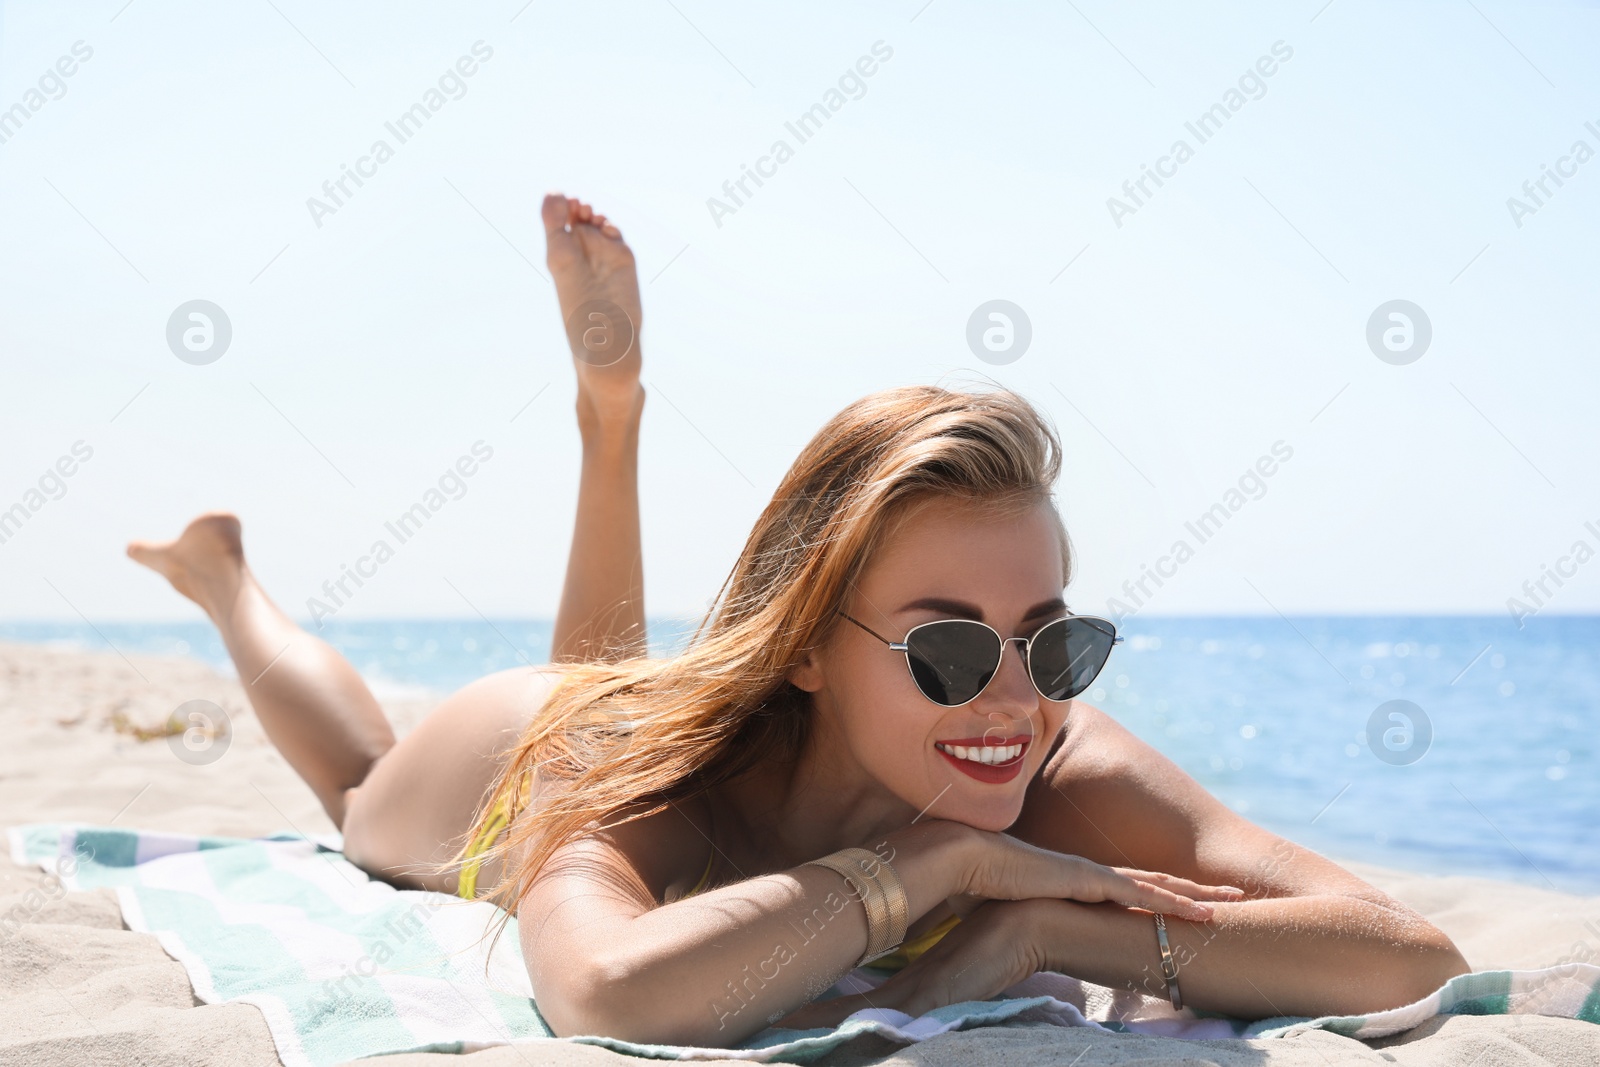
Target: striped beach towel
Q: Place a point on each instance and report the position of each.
(344, 966)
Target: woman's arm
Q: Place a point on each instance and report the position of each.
(713, 968)
(1314, 937)
(1307, 955)
(1326, 955)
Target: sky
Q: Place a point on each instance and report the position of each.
(1181, 336)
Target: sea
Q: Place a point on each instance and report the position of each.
(1443, 744)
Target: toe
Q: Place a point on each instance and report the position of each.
(554, 213)
(149, 553)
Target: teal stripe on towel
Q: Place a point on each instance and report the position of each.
(239, 957)
(1487, 993)
(322, 1004)
(108, 848)
(1590, 1012)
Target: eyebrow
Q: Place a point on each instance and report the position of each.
(962, 610)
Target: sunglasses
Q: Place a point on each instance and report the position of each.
(953, 660)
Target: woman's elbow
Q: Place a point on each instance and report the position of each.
(604, 997)
(1428, 966)
(586, 998)
(1443, 962)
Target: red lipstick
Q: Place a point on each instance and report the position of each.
(991, 773)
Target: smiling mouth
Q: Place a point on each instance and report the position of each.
(985, 752)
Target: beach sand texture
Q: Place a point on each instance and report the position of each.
(78, 988)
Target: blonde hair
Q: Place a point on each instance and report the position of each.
(656, 731)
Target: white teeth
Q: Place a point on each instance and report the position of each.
(982, 753)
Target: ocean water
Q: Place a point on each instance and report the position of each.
(1491, 767)
(397, 657)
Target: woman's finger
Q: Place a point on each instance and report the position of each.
(1132, 892)
(1197, 890)
(1016, 870)
(825, 1013)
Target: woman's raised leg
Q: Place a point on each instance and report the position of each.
(404, 808)
(312, 703)
(411, 814)
(601, 616)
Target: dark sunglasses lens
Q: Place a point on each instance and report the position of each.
(1067, 654)
(952, 660)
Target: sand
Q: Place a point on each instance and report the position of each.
(76, 987)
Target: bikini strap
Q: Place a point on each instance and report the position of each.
(711, 839)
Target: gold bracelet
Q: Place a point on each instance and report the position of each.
(1169, 966)
(862, 888)
(895, 892)
(873, 900)
(886, 908)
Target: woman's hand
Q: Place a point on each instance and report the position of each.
(1000, 943)
(1000, 867)
(1009, 895)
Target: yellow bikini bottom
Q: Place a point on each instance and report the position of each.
(913, 947)
(472, 862)
(497, 822)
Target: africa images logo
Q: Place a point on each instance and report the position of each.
(806, 126)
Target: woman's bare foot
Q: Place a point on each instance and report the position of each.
(205, 563)
(598, 288)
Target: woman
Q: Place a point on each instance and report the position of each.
(890, 667)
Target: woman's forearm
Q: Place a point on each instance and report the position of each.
(712, 969)
(1304, 955)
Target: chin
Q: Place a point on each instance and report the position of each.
(995, 816)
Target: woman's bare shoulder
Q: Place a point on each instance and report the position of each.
(1107, 795)
(1089, 745)
(660, 848)
(1115, 798)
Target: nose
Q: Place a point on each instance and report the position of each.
(1011, 692)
